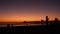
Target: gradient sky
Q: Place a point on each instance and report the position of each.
(28, 10)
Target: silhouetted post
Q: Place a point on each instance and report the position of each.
(47, 20)
(12, 25)
(8, 25)
(56, 21)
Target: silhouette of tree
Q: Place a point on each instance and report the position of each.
(25, 22)
(42, 21)
(56, 21)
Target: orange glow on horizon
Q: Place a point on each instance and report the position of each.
(21, 19)
(26, 17)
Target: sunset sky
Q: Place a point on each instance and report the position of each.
(28, 10)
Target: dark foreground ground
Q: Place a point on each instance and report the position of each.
(31, 29)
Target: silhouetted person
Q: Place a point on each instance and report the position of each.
(47, 20)
(56, 21)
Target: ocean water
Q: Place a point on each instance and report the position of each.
(23, 24)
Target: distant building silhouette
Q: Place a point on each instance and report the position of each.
(47, 20)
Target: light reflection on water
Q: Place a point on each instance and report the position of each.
(25, 24)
